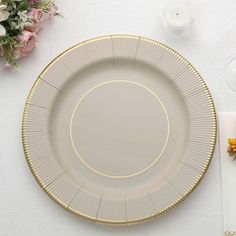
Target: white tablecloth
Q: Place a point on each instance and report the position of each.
(24, 208)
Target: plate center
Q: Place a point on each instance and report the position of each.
(119, 129)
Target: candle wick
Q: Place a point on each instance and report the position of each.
(177, 13)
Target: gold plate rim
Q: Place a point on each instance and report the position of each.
(157, 214)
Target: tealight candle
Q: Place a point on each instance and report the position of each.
(177, 14)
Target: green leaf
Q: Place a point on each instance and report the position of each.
(23, 6)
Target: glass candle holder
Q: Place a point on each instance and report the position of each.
(231, 75)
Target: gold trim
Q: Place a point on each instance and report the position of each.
(133, 221)
(230, 233)
(140, 171)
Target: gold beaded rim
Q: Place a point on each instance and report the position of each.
(230, 233)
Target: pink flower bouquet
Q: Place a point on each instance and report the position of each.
(20, 22)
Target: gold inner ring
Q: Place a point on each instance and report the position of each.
(118, 176)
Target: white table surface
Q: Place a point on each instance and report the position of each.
(24, 208)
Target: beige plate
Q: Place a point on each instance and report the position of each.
(119, 129)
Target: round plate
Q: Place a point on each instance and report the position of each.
(119, 129)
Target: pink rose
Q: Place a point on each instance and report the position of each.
(27, 42)
(7, 66)
(53, 10)
(36, 14)
(37, 17)
(33, 2)
(35, 27)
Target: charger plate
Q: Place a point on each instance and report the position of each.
(119, 129)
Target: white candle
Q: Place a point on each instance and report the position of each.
(177, 14)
